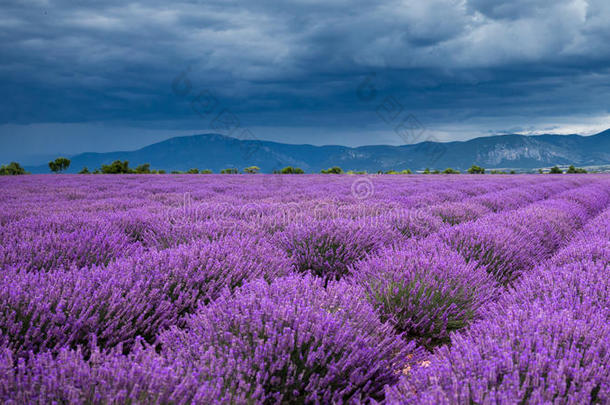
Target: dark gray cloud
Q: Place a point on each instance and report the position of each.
(475, 66)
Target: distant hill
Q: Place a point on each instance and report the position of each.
(216, 152)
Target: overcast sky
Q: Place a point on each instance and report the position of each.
(105, 75)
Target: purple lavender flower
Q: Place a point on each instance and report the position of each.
(424, 289)
(290, 341)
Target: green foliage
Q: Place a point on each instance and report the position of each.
(59, 165)
(406, 171)
(333, 170)
(450, 171)
(556, 170)
(573, 170)
(143, 169)
(193, 171)
(436, 172)
(427, 171)
(252, 169)
(177, 172)
(161, 172)
(117, 167)
(230, 170)
(474, 169)
(12, 169)
(540, 171)
(291, 170)
(84, 171)
(498, 172)
(513, 172)
(205, 171)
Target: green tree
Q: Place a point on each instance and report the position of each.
(84, 171)
(573, 170)
(407, 171)
(291, 170)
(230, 170)
(333, 170)
(513, 172)
(252, 169)
(474, 169)
(450, 171)
(206, 171)
(193, 171)
(143, 169)
(12, 169)
(59, 165)
(117, 167)
(540, 171)
(161, 172)
(426, 171)
(556, 170)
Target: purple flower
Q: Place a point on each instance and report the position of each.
(424, 289)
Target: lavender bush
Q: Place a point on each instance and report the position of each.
(424, 289)
(290, 341)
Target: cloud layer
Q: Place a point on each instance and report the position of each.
(480, 64)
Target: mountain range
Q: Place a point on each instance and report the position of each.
(217, 152)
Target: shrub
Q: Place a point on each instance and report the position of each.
(450, 171)
(573, 170)
(198, 272)
(48, 311)
(143, 169)
(289, 341)
(417, 222)
(333, 170)
(555, 170)
(12, 169)
(36, 245)
(515, 241)
(457, 212)
(424, 289)
(545, 345)
(117, 167)
(252, 169)
(327, 248)
(84, 171)
(136, 296)
(291, 170)
(229, 171)
(59, 165)
(102, 378)
(474, 169)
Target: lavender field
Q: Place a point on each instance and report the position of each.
(313, 289)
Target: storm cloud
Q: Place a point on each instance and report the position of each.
(291, 70)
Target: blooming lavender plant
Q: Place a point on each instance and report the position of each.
(290, 341)
(424, 289)
(327, 248)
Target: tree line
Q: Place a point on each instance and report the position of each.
(61, 164)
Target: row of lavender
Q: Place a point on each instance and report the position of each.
(277, 290)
